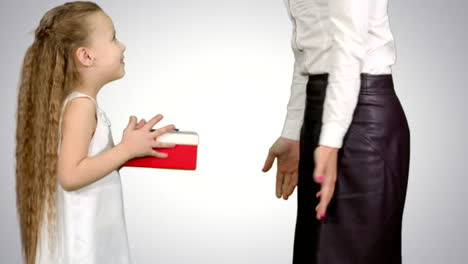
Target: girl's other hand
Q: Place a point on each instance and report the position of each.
(139, 140)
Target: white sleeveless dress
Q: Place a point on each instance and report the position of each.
(90, 221)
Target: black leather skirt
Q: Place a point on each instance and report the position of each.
(364, 219)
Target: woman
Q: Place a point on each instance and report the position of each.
(346, 140)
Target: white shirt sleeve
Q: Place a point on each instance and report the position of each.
(296, 105)
(348, 29)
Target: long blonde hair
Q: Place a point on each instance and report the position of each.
(48, 74)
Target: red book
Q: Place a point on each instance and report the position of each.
(183, 156)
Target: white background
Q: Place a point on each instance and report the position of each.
(223, 69)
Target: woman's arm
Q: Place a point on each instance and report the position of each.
(349, 29)
(349, 24)
(296, 104)
(286, 148)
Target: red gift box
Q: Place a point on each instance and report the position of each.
(183, 156)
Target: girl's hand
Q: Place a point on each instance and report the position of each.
(141, 123)
(138, 139)
(325, 172)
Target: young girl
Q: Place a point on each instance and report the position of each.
(69, 194)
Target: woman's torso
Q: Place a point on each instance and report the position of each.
(312, 40)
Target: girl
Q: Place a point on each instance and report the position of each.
(69, 194)
(346, 140)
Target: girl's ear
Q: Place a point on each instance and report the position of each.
(84, 57)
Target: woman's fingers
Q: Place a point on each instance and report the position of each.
(319, 171)
(279, 183)
(325, 194)
(285, 187)
(292, 184)
(319, 177)
(269, 161)
(322, 206)
(325, 173)
(318, 194)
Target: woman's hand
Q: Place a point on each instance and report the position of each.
(140, 140)
(325, 172)
(287, 153)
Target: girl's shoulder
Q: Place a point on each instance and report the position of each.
(78, 119)
(78, 108)
(76, 94)
(82, 101)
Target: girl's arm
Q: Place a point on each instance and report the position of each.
(75, 169)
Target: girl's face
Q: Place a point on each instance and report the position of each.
(106, 49)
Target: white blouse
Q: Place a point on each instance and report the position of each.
(343, 38)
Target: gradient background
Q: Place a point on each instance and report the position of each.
(223, 69)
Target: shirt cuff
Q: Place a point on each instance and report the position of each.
(332, 135)
(292, 129)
